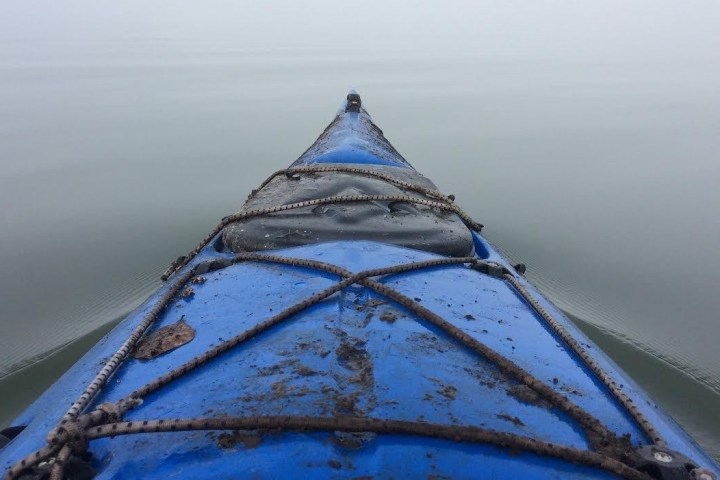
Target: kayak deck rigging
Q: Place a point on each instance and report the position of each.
(103, 422)
(608, 431)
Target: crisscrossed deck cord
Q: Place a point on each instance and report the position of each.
(577, 347)
(104, 411)
(64, 434)
(73, 427)
(127, 346)
(373, 425)
(551, 322)
(362, 278)
(347, 280)
(359, 171)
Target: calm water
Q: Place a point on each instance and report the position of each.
(584, 137)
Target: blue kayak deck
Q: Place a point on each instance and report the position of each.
(354, 354)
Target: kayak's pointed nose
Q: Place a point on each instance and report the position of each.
(352, 138)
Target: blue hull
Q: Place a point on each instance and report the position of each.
(453, 369)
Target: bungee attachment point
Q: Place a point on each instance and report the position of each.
(520, 268)
(665, 464)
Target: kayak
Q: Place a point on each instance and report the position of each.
(349, 321)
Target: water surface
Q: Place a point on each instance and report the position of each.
(584, 137)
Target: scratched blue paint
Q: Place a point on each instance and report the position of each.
(355, 353)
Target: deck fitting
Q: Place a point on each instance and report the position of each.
(665, 464)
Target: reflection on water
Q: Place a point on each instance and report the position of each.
(28, 383)
(672, 388)
(589, 152)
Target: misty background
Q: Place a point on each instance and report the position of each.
(583, 135)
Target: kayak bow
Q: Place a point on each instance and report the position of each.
(349, 321)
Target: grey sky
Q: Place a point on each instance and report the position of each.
(614, 29)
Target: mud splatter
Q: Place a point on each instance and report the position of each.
(305, 371)
(164, 340)
(614, 447)
(527, 395)
(352, 357)
(316, 346)
(351, 440)
(370, 304)
(347, 405)
(448, 391)
(279, 389)
(276, 369)
(429, 343)
(514, 420)
(248, 439)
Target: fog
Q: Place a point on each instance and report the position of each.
(583, 134)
